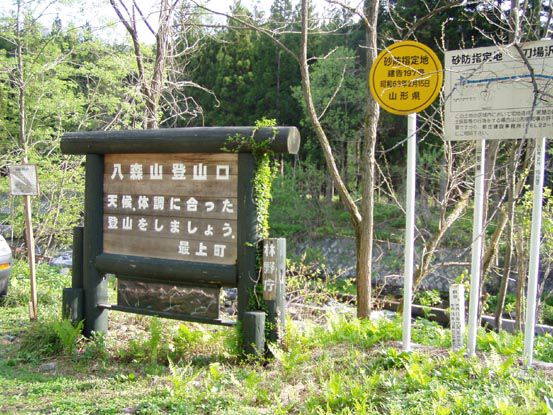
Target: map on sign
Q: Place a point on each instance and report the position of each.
(171, 206)
(23, 180)
(406, 78)
(495, 93)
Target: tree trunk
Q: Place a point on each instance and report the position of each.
(504, 285)
(503, 217)
(522, 260)
(340, 186)
(511, 183)
(20, 82)
(368, 161)
(151, 89)
(541, 289)
(362, 221)
(431, 246)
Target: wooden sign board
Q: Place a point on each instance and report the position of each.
(168, 212)
(179, 206)
(274, 267)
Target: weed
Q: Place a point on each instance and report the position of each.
(502, 342)
(430, 333)
(390, 358)
(68, 335)
(151, 350)
(544, 348)
(185, 339)
(344, 366)
(96, 348)
(341, 329)
(49, 338)
(491, 304)
(547, 314)
(182, 379)
(428, 298)
(50, 284)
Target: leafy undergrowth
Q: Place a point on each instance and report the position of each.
(346, 366)
(343, 366)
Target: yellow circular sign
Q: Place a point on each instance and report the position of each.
(406, 77)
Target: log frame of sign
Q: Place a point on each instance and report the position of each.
(96, 263)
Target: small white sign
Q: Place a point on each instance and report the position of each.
(499, 92)
(23, 180)
(457, 315)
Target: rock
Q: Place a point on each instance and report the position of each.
(338, 256)
(65, 259)
(383, 315)
(543, 365)
(231, 294)
(47, 367)
(5, 230)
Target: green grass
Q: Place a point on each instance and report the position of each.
(338, 366)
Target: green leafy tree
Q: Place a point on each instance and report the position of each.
(339, 93)
(226, 65)
(53, 81)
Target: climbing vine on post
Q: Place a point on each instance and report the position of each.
(266, 169)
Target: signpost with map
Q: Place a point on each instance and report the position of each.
(501, 92)
(405, 79)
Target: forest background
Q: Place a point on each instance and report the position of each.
(300, 67)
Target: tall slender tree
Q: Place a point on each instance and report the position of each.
(160, 78)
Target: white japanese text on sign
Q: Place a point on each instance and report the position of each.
(172, 206)
(499, 92)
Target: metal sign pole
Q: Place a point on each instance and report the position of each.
(409, 228)
(476, 245)
(533, 268)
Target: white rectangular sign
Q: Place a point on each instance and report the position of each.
(23, 180)
(499, 92)
(457, 315)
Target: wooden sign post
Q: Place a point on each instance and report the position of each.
(171, 214)
(24, 182)
(274, 285)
